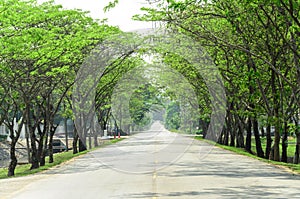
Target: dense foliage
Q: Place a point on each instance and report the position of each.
(253, 44)
(43, 45)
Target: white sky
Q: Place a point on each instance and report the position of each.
(118, 16)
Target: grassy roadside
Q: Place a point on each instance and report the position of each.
(23, 170)
(294, 168)
(290, 150)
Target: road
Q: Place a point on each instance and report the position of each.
(157, 164)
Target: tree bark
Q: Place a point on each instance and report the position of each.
(31, 128)
(40, 153)
(262, 132)
(82, 146)
(240, 143)
(240, 140)
(90, 139)
(41, 144)
(13, 158)
(297, 149)
(52, 131)
(75, 140)
(232, 131)
(248, 136)
(226, 137)
(276, 154)
(83, 134)
(275, 148)
(50, 150)
(45, 150)
(14, 136)
(284, 143)
(204, 126)
(220, 138)
(259, 151)
(269, 141)
(34, 154)
(232, 138)
(95, 135)
(66, 134)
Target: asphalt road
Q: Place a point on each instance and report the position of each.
(157, 164)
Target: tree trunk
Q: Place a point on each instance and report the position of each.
(75, 140)
(31, 128)
(14, 136)
(82, 146)
(275, 148)
(95, 136)
(96, 144)
(248, 136)
(66, 134)
(262, 131)
(240, 140)
(27, 144)
(240, 143)
(13, 158)
(40, 152)
(276, 154)
(284, 143)
(226, 137)
(52, 131)
(45, 150)
(90, 141)
(43, 158)
(204, 126)
(232, 138)
(269, 142)
(297, 150)
(41, 145)
(82, 138)
(50, 146)
(259, 151)
(220, 138)
(232, 130)
(34, 154)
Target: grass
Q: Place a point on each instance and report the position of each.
(24, 170)
(290, 150)
(295, 168)
(116, 140)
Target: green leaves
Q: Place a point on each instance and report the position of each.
(43, 45)
(110, 5)
(173, 118)
(58, 71)
(143, 101)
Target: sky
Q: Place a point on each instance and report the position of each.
(119, 16)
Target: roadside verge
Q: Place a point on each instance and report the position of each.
(289, 167)
(59, 158)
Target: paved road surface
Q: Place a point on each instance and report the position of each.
(157, 164)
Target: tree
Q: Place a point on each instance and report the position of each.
(172, 119)
(254, 46)
(44, 47)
